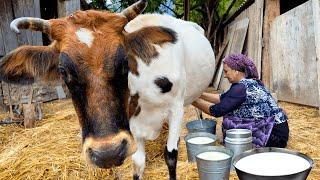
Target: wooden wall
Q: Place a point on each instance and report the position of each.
(12, 9)
(9, 10)
(66, 7)
(293, 56)
(250, 38)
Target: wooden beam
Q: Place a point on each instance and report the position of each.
(271, 11)
(65, 8)
(316, 20)
(186, 9)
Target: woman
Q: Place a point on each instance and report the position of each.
(247, 104)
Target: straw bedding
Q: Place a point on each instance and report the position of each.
(52, 150)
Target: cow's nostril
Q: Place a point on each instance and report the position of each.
(89, 151)
(108, 156)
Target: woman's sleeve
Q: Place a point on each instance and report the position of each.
(230, 100)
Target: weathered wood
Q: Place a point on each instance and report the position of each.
(2, 105)
(60, 92)
(9, 38)
(27, 8)
(293, 56)
(235, 45)
(29, 115)
(218, 74)
(43, 92)
(271, 10)
(316, 21)
(65, 8)
(186, 7)
(254, 37)
(221, 52)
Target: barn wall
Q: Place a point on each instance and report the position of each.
(293, 56)
(9, 40)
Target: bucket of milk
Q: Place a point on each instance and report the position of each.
(272, 163)
(196, 141)
(214, 163)
(238, 140)
(202, 125)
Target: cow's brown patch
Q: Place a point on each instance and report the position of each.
(133, 66)
(141, 43)
(134, 109)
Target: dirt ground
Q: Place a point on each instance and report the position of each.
(52, 150)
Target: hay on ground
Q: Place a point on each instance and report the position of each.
(52, 150)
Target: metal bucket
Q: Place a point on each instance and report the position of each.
(214, 169)
(302, 175)
(202, 125)
(192, 148)
(238, 140)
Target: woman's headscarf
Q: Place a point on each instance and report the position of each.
(242, 63)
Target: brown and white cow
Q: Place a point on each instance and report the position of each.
(126, 74)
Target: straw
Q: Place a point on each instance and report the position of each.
(52, 150)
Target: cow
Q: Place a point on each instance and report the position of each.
(126, 73)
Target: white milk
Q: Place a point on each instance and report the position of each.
(272, 164)
(239, 132)
(213, 156)
(200, 140)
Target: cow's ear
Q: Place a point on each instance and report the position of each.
(26, 64)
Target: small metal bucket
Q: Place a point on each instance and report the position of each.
(214, 169)
(202, 125)
(238, 140)
(192, 149)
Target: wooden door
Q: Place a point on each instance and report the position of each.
(293, 56)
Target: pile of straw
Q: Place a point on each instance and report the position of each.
(52, 150)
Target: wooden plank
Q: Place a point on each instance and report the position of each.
(293, 56)
(28, 8)
(272, 10)
(9, 40)
(60, 92)
(254, 37)
(29, 115)
(236, 46)
(316, 21)
(2, 24)
(2, 105)
(65, 8)
(217, 78)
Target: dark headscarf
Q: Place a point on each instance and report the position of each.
(242, 63)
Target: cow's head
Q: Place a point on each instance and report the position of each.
(88, 53)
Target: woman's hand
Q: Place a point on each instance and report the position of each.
(213, 98)
(202, 105)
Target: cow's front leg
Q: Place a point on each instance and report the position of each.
(139, 158)
(171, 151)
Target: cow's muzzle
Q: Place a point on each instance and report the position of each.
(110, 151)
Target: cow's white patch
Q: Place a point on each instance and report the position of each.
(85, 36)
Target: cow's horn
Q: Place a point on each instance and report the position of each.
(135, 9)
(32, 23)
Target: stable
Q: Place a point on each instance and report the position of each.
(283, 39)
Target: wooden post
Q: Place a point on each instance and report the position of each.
(186, 9)
(2, 105)
(271, 11)
(316, 21)
(66, 7)
(29, 112)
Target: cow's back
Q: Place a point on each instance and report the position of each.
(197, 58)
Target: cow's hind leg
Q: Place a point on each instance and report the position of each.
(139, 158)
(171, 151)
